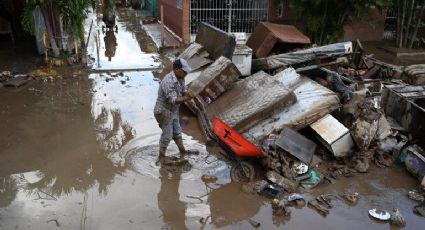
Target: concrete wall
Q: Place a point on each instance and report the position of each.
(371, 29)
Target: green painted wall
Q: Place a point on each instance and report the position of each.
(152, 6)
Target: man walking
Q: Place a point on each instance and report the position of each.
(172, 93)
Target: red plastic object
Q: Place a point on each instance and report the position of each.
(235, 141)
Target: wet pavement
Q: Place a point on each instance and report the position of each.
(80, 154)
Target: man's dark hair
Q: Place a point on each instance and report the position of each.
(177, 64)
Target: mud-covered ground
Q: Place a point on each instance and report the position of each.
(79, 153)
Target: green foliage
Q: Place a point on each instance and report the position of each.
(324, 19)
(27, 17)
(109, 5)
(74, 13)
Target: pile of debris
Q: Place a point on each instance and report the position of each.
(346, 108)
(15, 79)
(9, 79)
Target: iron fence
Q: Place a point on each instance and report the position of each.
(235, 16)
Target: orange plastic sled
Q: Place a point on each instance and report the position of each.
(235, 141)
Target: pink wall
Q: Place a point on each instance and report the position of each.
(172, 16)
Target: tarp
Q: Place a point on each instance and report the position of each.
(302, 56)
(40, 28)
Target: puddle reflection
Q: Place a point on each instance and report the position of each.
(172, 208)
(110, 44)
(117, 48)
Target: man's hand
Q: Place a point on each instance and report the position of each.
(189, 95)
(186, 97)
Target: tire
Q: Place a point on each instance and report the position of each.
(237, 175)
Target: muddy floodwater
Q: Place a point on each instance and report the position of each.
(79, 153)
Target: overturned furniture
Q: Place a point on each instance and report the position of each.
(268, 36)
(209, 84)
(406, 104)
(208, 36)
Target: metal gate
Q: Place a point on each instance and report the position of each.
(390, 30)
(234, 16)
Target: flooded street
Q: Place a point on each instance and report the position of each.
(80, 152)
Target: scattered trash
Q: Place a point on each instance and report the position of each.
(254, 224)
(254, 187)
(315, 205)
(300, 168)
(297, 145)
(397, 219)
(174, 161)
(315, 178)
(285, 183)
(337, 85)
(17, 81)
(271, 191)
(379, 214)
(414, 74)
(420, 209)
(302, 56)
(362, 165)
(351, 197)
(296, 199)
(279, 208)
(415, 195)
(208, 179)
(414, 160)
(44, 73)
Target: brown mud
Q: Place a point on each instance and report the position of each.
(79, 153)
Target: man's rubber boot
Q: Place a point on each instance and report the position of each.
(161, 155)
(182, 149)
